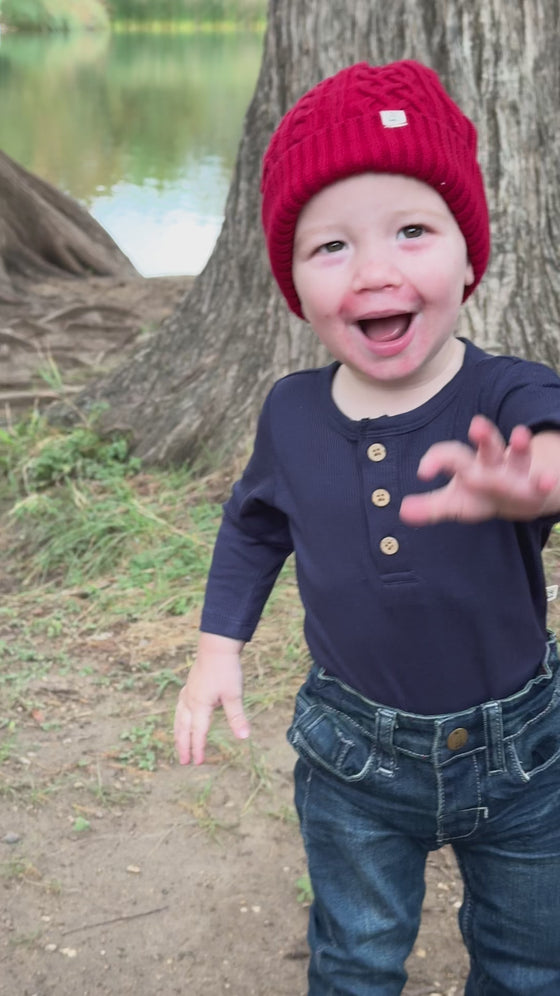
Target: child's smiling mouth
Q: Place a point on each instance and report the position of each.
(387, 328)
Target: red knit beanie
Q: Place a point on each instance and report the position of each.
(383, 119)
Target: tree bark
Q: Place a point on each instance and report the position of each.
(45, 233)
(194, 390)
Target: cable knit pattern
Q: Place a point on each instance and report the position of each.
(337, 130)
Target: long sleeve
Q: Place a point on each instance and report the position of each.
(252, 544)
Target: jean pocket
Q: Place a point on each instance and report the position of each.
(331, 740)
(537, 745)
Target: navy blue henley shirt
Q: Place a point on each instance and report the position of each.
(432, 619)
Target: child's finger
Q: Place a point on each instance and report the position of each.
(427, 509)
(182, 733)
(488, 440)
(415, 510)
(519, 453)
(199, 731)
(441, 505)
(447, 458)
(236, 718)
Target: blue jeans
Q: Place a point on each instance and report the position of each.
(377, 789)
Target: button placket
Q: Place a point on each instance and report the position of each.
(390, 548)
(377, 452)
(382, 524)
(380, 497)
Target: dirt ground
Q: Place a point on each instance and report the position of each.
(115, 879)
(120, 871)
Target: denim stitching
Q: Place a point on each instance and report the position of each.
(447, 838)
(440, 792)
(305, 834)
(494, 734)
(510, 743)
(299, 741)
(466, 916)
(526, 776)
(478, 809)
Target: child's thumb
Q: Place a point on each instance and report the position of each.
(236, 718)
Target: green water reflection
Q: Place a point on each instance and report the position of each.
(131, 125)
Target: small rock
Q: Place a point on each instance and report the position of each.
(11, 838)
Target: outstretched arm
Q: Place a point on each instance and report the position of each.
(519, 480)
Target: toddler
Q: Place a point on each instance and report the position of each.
(416, 479)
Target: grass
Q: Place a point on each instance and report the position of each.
(304, 890)
(96, 548)
(79, 509)
(145, 744)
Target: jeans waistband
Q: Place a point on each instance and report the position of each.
(482, 726)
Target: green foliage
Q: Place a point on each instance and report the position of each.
(75, 496)
(81, 824)
(53, 15)
(145, 745)
(304, 890)
(198, 11)
(77, 511)
(71, 15)
(32, 458)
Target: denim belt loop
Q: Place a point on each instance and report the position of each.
(386, 756)
(494, 733)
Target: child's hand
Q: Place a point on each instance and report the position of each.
(490, 479)
(214, 679)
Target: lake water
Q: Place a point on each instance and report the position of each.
(142, 129)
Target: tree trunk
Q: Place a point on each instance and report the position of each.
(194, 389)
(45, 233)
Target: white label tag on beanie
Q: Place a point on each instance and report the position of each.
(393, 119)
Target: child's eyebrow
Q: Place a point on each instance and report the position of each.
(327, 227)
(325, 232)
(424, 212)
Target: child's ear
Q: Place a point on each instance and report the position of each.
(469, 275)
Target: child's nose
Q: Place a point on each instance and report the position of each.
(375, 271)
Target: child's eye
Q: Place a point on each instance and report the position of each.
(335, 246)
(411, 231)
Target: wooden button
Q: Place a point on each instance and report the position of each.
(457, 738)
(380, 497)
(389, 545)
(376, 452)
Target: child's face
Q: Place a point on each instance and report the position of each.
(380, 266)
